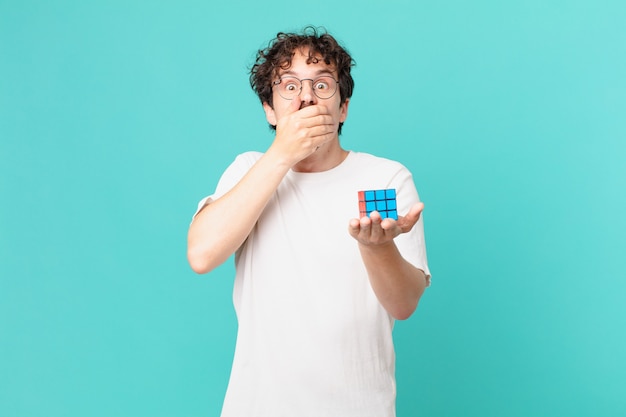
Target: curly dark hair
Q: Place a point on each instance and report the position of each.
(280, 50)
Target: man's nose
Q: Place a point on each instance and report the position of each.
(307, 96)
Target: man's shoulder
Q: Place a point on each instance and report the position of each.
(245, 160)
(373, 161)
(249, 156)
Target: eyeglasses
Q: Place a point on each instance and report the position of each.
(290, 87)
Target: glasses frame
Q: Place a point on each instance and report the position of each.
(280, 80)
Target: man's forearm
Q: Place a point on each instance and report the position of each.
(396, 282)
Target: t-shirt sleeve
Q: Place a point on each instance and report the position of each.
(412, 245)
(231, 176)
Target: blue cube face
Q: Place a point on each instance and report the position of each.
(382, 201)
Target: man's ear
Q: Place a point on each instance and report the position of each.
(343, 111)
(270, 115)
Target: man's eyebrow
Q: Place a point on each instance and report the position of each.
(316, 74)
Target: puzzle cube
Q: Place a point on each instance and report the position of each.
(382, 201)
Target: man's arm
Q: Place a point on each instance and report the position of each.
(396, 282)
(223, 225)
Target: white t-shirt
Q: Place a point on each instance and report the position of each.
(313, 340)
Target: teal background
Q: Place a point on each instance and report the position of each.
(116, 117)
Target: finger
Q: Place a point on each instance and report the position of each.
(294, 106)
(390, 228)
(416, 210)
(388, 224)
(314, 111)
(354, 226)
(324, 122)
(376, 230)
(324, 130)
(365, 225)
(407, 222)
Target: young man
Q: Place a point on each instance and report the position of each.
(316, 294)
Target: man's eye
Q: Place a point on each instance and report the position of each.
(321, 85)
(291, 87)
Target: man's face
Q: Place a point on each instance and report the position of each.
(303, 71)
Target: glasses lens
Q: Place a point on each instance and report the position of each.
(324, 87)
(289, 87)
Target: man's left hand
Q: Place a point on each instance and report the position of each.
(375, 230)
